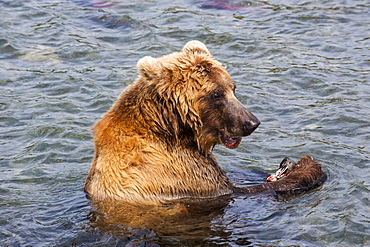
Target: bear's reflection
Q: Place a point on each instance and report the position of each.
(183, 220)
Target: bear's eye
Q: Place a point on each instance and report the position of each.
(216, 95)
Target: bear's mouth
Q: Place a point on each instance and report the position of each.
(228, 141)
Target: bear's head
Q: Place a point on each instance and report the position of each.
(193, 92)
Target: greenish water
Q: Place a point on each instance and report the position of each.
(302, 67)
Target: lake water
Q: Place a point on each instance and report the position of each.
(302, 67)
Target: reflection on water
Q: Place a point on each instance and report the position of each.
(190, 222)
(301, 67)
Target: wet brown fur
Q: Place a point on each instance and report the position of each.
(113, 216)
(154, 144)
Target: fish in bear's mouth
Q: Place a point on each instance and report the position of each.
(228, 141)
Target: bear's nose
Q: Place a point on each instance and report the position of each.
(251, 125)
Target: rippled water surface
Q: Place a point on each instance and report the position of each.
(302, 67)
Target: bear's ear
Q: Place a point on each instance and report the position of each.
(195, 46)
(150, 67)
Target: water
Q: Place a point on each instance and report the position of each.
(302, 67)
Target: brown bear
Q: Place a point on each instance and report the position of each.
(155, 142)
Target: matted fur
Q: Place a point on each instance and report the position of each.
(154, 144)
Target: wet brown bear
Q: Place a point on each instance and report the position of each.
(155, 142)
